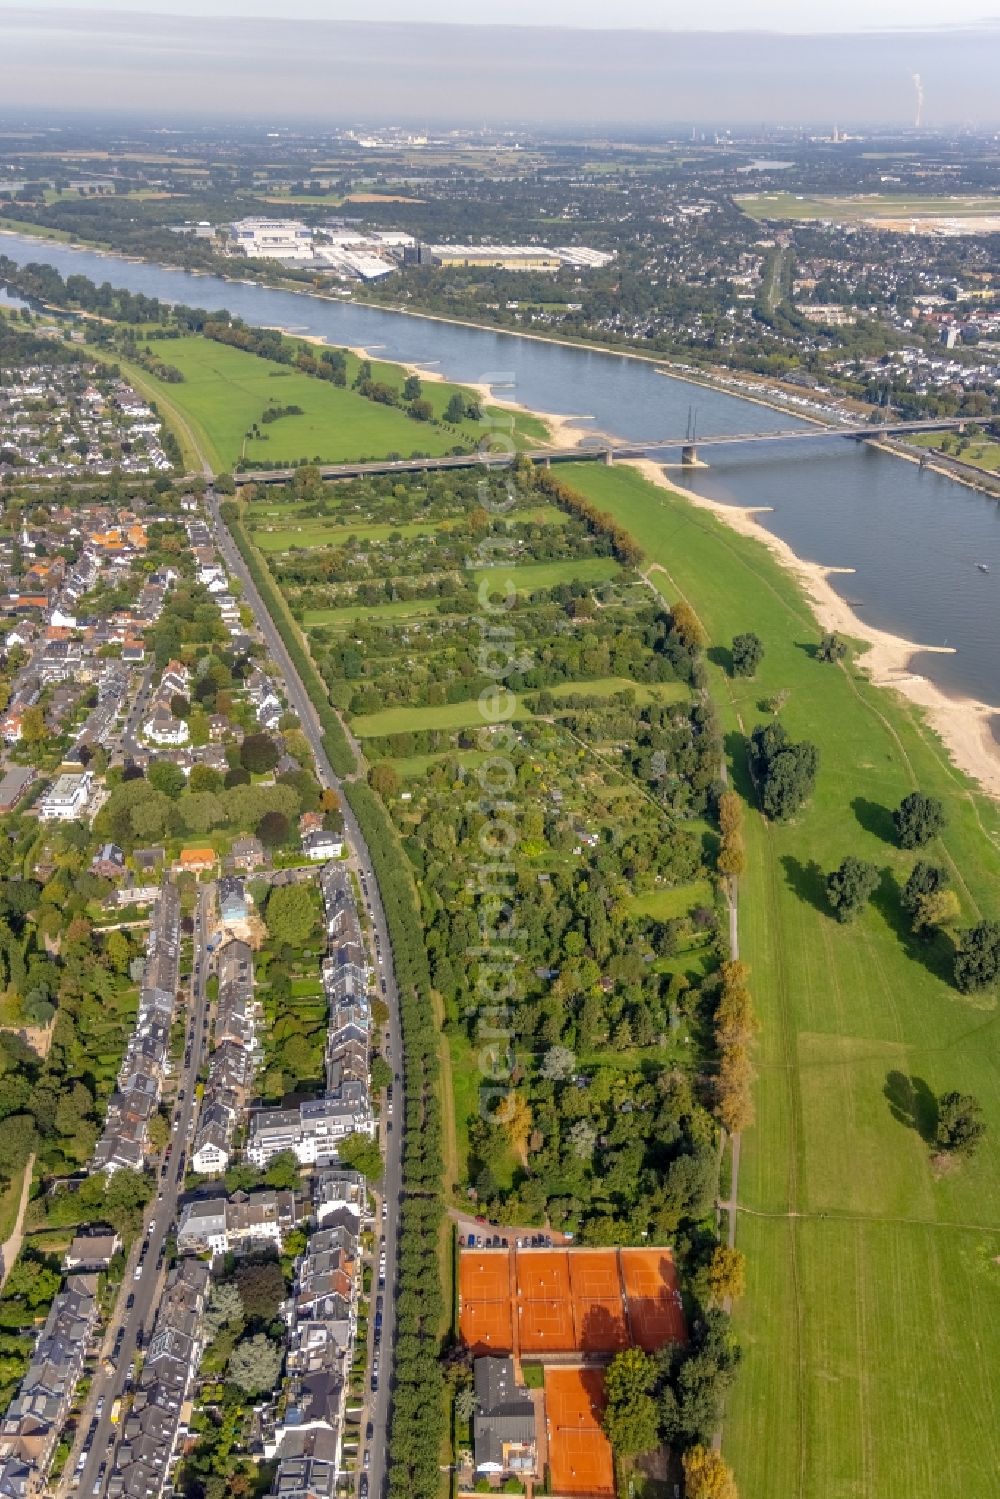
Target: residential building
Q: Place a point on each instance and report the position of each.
(35, 1417)
(245, 1220)
(322, 845)
(503, 1424)
(247, 853)
(92, 1251)
(144, 1460)
(66, 799)
(14, 785)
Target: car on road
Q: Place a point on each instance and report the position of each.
(363, 1486)
(367, 1459)
(138, 1271)
(383, 986)
(369, 1431)
(130, 1303)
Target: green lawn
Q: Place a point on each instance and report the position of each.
(349, 614)
(532, 575)
(673, 901)
(983, 452)
(226, 390)
(334, 532)
(872, 1320)
(468, 714)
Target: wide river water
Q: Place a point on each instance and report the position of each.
(913, 538)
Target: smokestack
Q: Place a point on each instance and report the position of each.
(918, 85)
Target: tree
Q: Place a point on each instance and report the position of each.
(33, 729)
(259, 753)
(412, 388)
(707, 1475)
(630, 1420)
(558, 1063)
(274, 829)
(581, 1139)
(687, 625)
(831, 648)
(290, 915)
(361, 1153)
(851, 887)
(960, 1125)
(748, 653)
(925, 879)
(977, 961)
(734, 1090)
(381, 1074)
(117, 949)
(254, 1365)
(224, 1309)
(465, 1404)
(918, 819)
(422, 410)
(167, 777)
(455, 409)
(262, 1288)
(785, 771)
(937, 910)
(726, 1274)
(384, 778)
(513, 1114)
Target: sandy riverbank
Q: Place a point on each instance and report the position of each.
(964, 725)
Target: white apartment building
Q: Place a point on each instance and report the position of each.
(66, 799)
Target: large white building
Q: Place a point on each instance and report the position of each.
(66, 799)
(271, 239)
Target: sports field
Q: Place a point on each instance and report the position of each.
(578, 1300)
(226, 391)
(871, 1325)
(889, 208)
(580, 1456)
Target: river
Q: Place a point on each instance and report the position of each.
(913, 537)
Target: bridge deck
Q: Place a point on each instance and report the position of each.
(598, 449)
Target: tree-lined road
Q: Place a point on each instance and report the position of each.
(392, 1181)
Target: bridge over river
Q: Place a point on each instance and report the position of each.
(603, 451)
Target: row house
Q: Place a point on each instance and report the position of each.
(35, 1417)
(233, 1061)
(146, 1062)
(244, 1221)
(143, 1463)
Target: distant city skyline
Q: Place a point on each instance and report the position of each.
(167, 68)
(791, 16)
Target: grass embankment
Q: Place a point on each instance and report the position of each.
(984, 452)
(226, 391)
(872, 1319)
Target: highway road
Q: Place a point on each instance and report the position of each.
(392, 1184)
(138, 1318)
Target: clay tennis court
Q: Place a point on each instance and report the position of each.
(544, 1302)
(652, 1296)
(598, 1310)
(484, 1286)
(580, 1460)
(538, 1301)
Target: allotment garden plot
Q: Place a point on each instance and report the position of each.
(611, 753)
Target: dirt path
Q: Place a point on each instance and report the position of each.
(11, 1247)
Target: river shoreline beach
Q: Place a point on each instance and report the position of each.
(965, 726)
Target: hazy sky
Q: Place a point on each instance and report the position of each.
(168, 64)
(707, 15)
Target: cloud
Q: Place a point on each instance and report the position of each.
(269, 71)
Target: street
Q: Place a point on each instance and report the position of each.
(392, 1184)
(147, 1254)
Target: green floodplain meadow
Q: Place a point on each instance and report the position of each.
(871, 1323)
(225, 391)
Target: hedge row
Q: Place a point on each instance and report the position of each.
(335, 741)
(417, 1423)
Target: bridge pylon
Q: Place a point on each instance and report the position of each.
(689, 455)
(609, 457)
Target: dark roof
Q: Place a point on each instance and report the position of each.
(504, 1411)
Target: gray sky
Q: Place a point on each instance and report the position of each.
(167, 67)
(660, 15)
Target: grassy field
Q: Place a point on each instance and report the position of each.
(984, 452)
(677, 900)
(226, 390)
(872, 1320)
(332, 531)
(533, 575)
(856, 208)
(468, 713)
